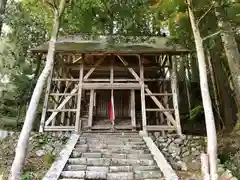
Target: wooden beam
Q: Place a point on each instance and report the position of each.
(62, 110)
(73, 91)
(59, 128)
(161, 110)
(175, 96)
(78, 122)
(159, 94)
(63, 94)
(157, 102)
(90, 112)
(111, 86)
(133, 113)
(143, 103)
(45, 104)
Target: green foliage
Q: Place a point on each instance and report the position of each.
(49, 158)
(196, 112)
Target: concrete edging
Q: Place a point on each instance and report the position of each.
(162, 163)
(56, 169)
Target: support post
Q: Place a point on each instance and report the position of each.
(133, 114)
(58, 84)
(143, 104)
(90, 112)
(45, 104)
(78, 122)
(175, 96)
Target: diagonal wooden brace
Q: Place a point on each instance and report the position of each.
(157, 102)
(73, 91)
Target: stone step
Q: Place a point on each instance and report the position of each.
(84, 174)
(113, 169)
(109, 161)
(145, 168)
(124, 139)
(75, 167)
(110, 142)
(73, 174)
(118, 134)
(132, 168)
(136, 168)
(120, 176)
(113, 150)
(142, 175)
(105, 146)
(76, 154)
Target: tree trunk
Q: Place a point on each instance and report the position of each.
(228, 108)
(207, 104)
(3, 4)
(31, 112)
(230, 46)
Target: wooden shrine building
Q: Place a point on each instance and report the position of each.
(137, 73)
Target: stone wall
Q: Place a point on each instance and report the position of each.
(184, 153)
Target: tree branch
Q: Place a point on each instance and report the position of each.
(204, 14)
(212, 35)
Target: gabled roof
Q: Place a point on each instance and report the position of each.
(121, 45)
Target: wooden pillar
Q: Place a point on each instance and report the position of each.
(90, 112)
(143, 104)
(133, 113)
(78, 123)
(45, 104)
(175, 96)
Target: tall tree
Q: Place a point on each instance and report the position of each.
(207, 104)
(31, 112)
(3, 4)
(230, 46)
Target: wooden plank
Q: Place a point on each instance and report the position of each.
(157, 102)
(58, 165)
(160, 128)
(94, 80)
(161, 110)
(59, 128)
(159, 94)
(143, 103)
(58, 99)
(64, 79)
(62, 110)
(175, 97)
(133, 112)
(78, 122)
(90, 112)
(63, 94)
(111, 86)
(124, 80)
(162, 163)
(73, 91)
(45, 104)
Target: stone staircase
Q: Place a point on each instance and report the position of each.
(111, 156)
